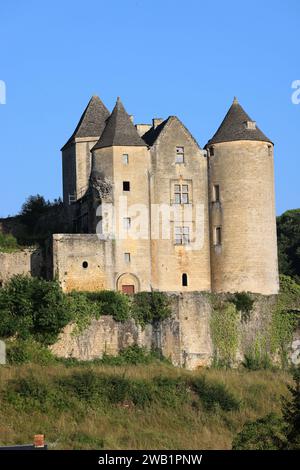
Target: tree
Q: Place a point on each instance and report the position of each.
(266, 433)
(291, 413)
(288, 234)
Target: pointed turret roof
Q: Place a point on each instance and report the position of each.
(235, 126)
(119, 130)
(92, 121)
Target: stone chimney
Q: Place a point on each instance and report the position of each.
(156, 122)
(142, 128)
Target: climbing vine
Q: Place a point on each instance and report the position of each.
(225, 334)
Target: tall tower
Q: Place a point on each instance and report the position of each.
(76, 153)
(121, 163)
(242, 207)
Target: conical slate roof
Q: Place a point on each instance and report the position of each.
(92, 121)
(119, 130)
(234, 127)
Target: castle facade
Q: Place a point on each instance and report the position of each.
(147, 208)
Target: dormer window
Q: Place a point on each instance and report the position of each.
(179, 155)
(251, 125)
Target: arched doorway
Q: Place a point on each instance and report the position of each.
(128, 283)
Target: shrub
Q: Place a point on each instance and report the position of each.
(257, 356)
(257, 362)
(29, 394)
(81, 310)
(267, 433)
(111, 303)
(25, 351)
(291, 413)
(31, 307)
(8, 243)
(149, 307)
(214, 395)
(243, 304)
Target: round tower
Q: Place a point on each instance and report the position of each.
(242, 207)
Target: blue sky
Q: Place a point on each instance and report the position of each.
(163, 57)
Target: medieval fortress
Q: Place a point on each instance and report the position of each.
(146, 208)
(149, 209)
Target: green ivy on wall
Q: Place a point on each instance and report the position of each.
(225, 333)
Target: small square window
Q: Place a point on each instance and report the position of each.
(125, 158)
(127, 223)
(211, 151)
(126, 186)
(127, 257)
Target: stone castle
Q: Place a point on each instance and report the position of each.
(216, 206)
(147, 209)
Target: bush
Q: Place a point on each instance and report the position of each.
(150, 307)
(267, 433)
(291, 413)
(31, 307)
(99, 389)
(243, 304)
(111, 303)
(253, 361)
(8, 243)
(25, 351)
(214, 395)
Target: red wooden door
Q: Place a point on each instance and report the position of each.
(128, 289)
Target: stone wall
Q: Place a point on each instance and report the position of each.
(28, 261)
(185, 338)
(81, 262)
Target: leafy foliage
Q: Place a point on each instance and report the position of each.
(288, 235)
(291, 413)
(214, 395)
(149, 307)
(8, 243)
(266, 433)
(224, 331)
(29, 351)
(243, 303)
(285, 318)
(31, 307)
(39, 219)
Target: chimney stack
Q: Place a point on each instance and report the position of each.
(156, 122)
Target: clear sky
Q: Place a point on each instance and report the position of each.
(162, 57)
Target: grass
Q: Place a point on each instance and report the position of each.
(133, 406)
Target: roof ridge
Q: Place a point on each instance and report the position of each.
(119, 130)
(92, 120)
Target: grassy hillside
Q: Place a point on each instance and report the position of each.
(133, 407)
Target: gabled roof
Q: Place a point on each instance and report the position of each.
(119, 130)
(92, 121)
(234, 127)
(152, 136)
